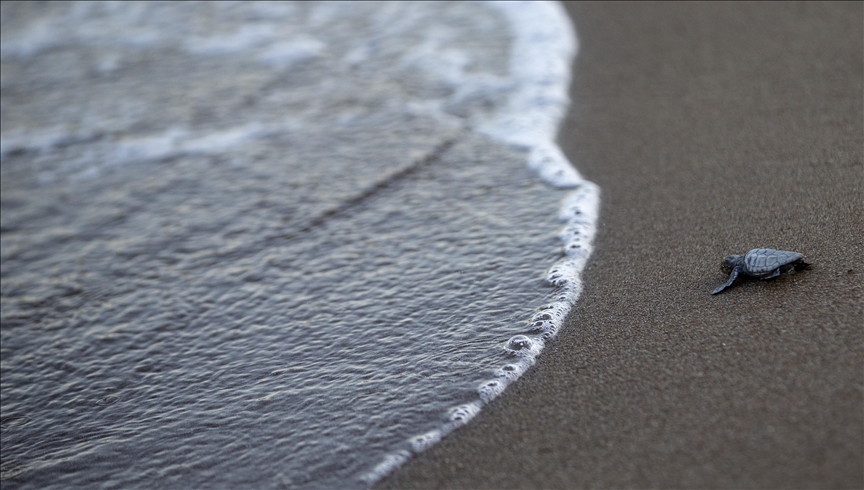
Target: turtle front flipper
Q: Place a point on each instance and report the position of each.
(732, 277)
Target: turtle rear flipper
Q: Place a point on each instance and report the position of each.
(732, 277)
(774, 274)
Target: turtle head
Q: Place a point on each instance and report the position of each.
(733, 261)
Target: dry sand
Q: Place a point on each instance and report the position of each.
(712, 129)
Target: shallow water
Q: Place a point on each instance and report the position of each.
(242, 244)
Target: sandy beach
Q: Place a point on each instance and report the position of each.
(711, 129)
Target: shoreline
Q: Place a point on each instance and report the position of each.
(710, 129)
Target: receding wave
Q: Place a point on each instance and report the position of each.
(275, 244)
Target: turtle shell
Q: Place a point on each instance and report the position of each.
(764, 260)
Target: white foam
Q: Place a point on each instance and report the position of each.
(116, 150)
(241, 41)
(425, 441)
(536, 102)
(488, 390)
(461, 415)
(388, 464)
(37, 37)
(289, 53)
(15, 140)
(543, 49)
(510, 372)
(523, 108)
(137, 25)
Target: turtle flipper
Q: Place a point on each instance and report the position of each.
(732, 277)
(774, 274)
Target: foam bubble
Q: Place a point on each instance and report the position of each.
(525, 347)
(520, 342)
(511, 372)
(462, 414)
(582, 205)
(488, 390)
(546, 329)
(425, 441)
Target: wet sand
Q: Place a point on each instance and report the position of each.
(712, 129)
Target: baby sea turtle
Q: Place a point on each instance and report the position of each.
(764, 263)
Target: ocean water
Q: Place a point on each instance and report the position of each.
(274, 244)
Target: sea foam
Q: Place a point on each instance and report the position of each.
(544, 45)
(523, 108)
